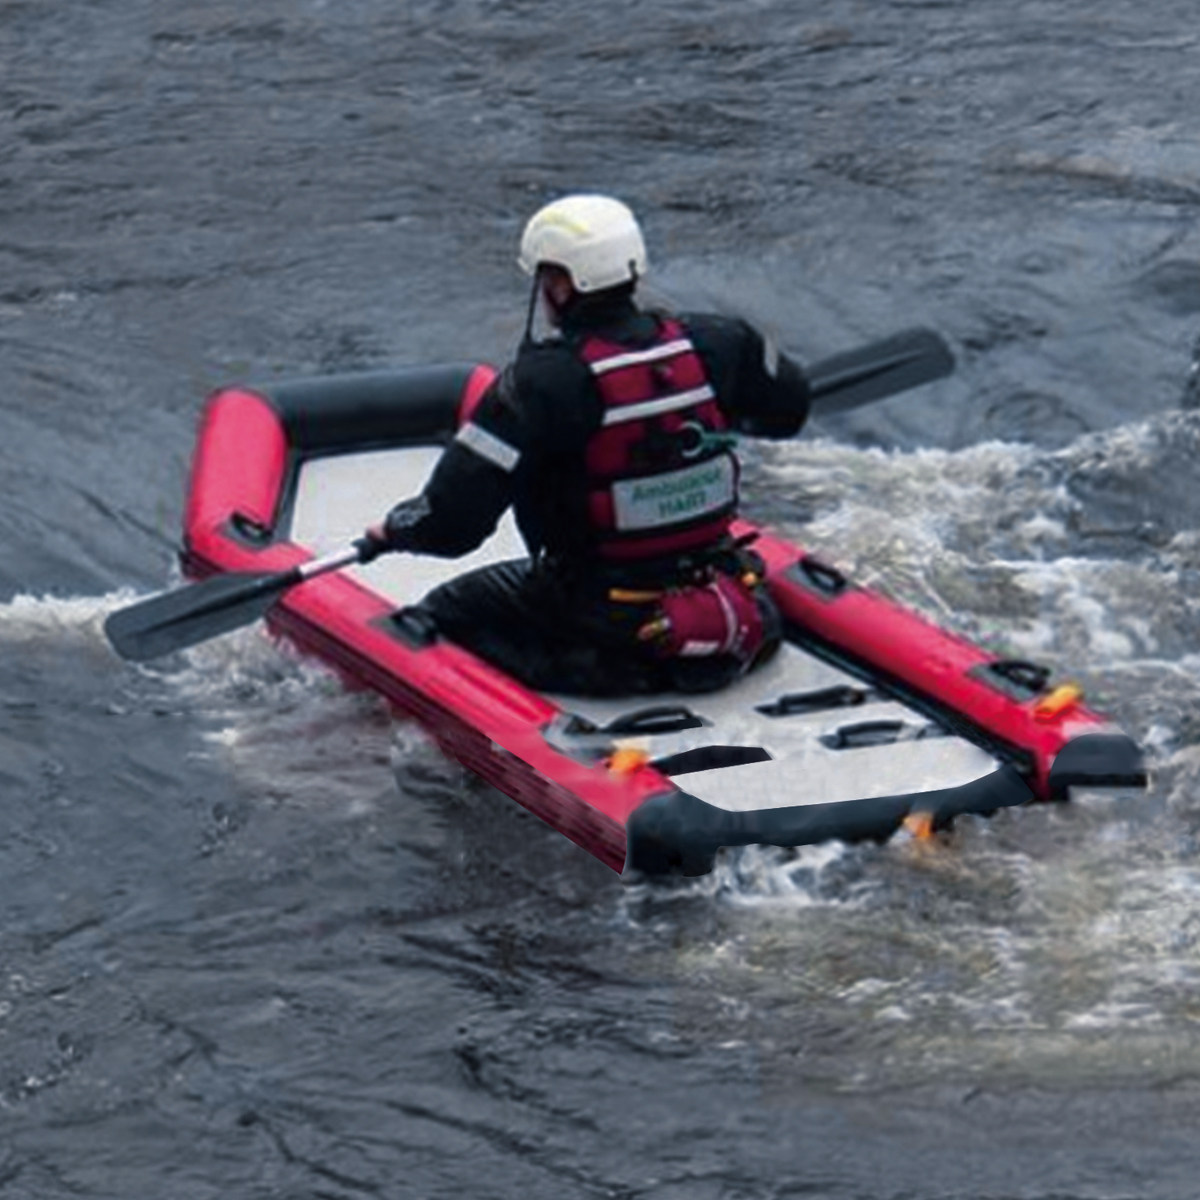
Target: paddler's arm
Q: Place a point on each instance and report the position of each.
(470, 487)
(763, 392)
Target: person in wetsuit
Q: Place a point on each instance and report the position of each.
(614, 442)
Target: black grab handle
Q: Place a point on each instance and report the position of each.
(864, 733)
(658, 718)
(840, 695)
(819, 577)
(1029, 676)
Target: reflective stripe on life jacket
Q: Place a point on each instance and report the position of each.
(660, 477)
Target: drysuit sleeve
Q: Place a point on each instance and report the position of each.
(471, 485)
(763, 392)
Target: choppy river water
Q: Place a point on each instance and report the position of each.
(257, 940)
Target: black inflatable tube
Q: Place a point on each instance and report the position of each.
(677, 833)
(1097, 760)
(369, 409)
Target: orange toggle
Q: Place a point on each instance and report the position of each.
(919, 825)
(1055, 703)
(627, 759)
(653, 629)
(632, 596)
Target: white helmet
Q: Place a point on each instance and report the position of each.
(595, 239)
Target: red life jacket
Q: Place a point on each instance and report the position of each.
(661, 479)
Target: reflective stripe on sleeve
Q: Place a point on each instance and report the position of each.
(770, 355)
(488, 446)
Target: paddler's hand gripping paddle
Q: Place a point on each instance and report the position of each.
(186, 616)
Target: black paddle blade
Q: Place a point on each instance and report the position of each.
(175, 620)
(894, 364)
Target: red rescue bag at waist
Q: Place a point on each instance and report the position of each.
(719, 617)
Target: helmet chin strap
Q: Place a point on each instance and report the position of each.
(539, 290)
(534, 290)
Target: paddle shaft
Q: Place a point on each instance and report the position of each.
(331, 562)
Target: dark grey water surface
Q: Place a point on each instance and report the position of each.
(255, 940)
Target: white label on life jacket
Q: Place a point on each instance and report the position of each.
(675, 496)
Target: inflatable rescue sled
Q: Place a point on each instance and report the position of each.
(868, 718)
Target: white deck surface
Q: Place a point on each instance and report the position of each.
(338, 497)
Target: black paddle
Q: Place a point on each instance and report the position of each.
(188, 615)
(894, 364)
(175, 620)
